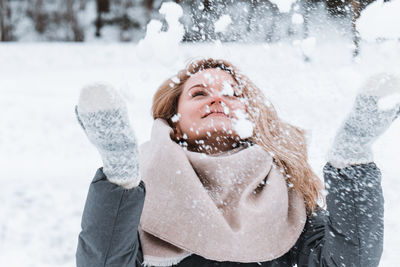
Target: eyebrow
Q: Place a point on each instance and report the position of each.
(202, 85)
(205, 87)
(197, 85)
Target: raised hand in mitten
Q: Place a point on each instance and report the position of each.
(103, 115)
(366, 122)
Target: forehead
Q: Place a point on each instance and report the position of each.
(209, 77)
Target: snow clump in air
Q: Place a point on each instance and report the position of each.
(222, 23)
(307, 46)
(159, 45)
(176, 118)
(242, 126)
(390, 102)
(297, 19)
(284, 6)
(380, 20)
(386, 87)
(176, 80)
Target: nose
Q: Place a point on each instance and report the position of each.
(216, 98)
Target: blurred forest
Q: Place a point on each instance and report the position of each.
(126, 20)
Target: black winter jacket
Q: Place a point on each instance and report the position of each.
(349, 233)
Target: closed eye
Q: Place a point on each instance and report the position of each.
(199, 93)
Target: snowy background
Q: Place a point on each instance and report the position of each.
(47, 162)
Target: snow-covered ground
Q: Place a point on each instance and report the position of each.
(47, 163)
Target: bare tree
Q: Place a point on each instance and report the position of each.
(357, 6)
(2, 26)
(337, 8)
(40, 18)
(148, 5)
(5, 21)
(207, 20)
(71, 17)
(256, 6)
(103, 6)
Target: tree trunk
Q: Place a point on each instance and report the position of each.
(39, 17)
(207, 5)
(73, 21)
(355, 7)
(2, 6)
(102, 6)
(148, 4)
(5, 21)
(82, 5)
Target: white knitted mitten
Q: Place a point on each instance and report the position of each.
(366, 122)
(103, 115)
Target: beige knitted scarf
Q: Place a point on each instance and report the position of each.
(234, 206)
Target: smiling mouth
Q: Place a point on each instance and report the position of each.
(216, 114)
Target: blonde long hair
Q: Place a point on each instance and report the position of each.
(286, 143)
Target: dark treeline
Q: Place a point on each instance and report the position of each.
(126, 20)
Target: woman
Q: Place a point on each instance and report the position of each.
(216, 196)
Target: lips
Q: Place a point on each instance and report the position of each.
(216, 113)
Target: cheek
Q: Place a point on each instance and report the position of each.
(188, 110)
(190, 115)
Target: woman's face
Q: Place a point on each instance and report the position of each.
(206, 107)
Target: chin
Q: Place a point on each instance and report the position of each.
(219, 127)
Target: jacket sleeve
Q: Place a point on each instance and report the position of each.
(110, 220)
(350, 232)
